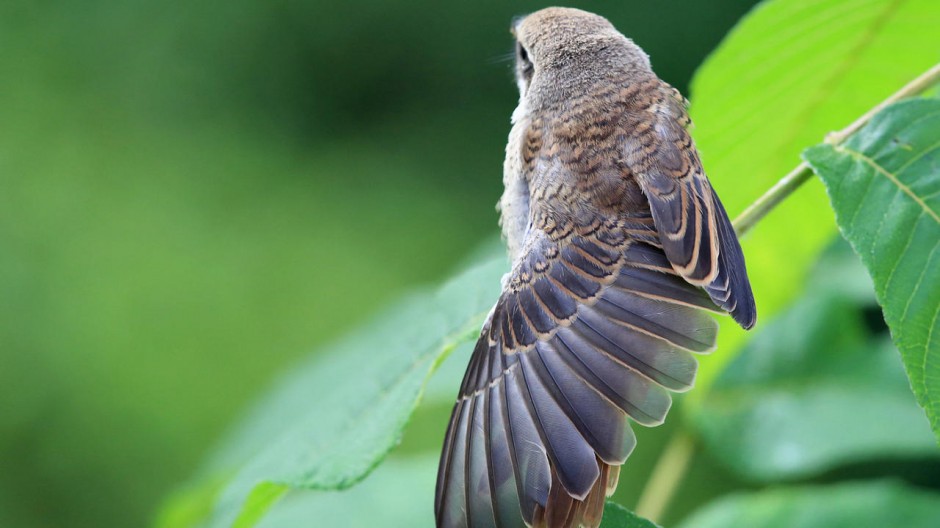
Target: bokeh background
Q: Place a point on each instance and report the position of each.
(193, 195)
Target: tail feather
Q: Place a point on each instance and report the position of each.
(564, 510)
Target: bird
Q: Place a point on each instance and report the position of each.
(620, 250)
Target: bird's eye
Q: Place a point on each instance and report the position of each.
(523, 54)
(524, 67)
(523, 63)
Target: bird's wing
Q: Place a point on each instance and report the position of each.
(694, 229)
(591, 328)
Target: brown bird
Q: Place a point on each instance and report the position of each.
(618, 245)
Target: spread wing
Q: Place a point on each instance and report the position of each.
(593, 327)
(694, 229)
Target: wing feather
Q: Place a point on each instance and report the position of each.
(600, 422)
(480, 503)
(571, 456)
(696, 234)
(584, 338)
(503, 483)
(530, 460)
(636, 395)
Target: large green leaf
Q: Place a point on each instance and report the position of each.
(790, 72)
(332, 420)
(884, 184)
(868, 505)
(790, 404)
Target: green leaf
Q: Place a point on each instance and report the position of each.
(332, 420)
(868, 505)
(790, 404)
(398, 493)
(790, 72)
(616, 516)
(884, 184)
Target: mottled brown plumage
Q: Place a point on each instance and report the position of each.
(618, 246)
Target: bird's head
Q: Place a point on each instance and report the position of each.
(562, 45)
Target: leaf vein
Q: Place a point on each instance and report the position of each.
(894, 266)
(861, 199)
(919, 155)
(893, 179)
(920, 279)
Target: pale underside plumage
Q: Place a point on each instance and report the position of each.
(620, 249)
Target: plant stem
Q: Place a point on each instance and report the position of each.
(799, 175)
(666, 477)
(674, 461)
(770, 199)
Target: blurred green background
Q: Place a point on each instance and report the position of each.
(195, 194)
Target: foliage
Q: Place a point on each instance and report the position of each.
(391, 496)
(787, 405)
(884, 184)
(851, 505)
(363, 392)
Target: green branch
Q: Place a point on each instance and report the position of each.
(799, 175)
